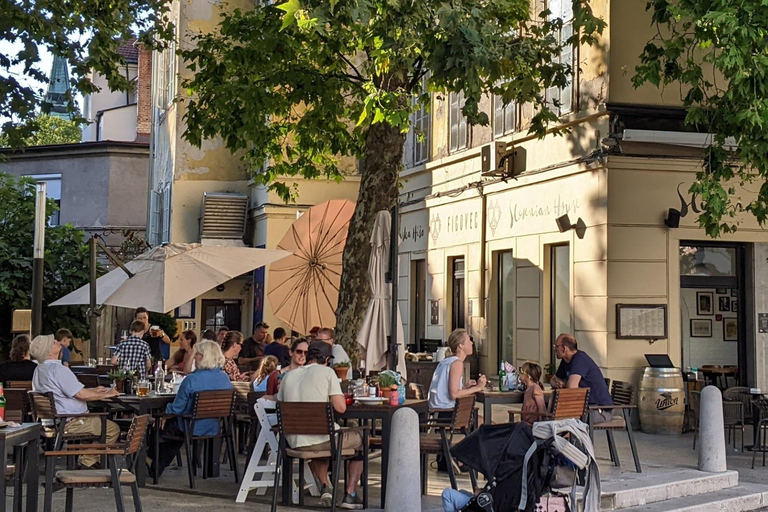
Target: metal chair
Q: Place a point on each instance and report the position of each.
(314, 418)
(733, 418)
(761, 434)
(695, 406)
(113, 477)
(442, 438)
(740, 394)
(622, 394)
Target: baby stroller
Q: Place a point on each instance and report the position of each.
(522, 464)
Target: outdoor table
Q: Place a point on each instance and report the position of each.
(488, 398)
(152, 404)
(384, 413)
(26, 463)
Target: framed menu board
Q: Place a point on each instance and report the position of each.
(641, 321)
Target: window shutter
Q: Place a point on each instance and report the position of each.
(224, 216)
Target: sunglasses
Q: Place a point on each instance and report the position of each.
(300, 352)
(522, 372)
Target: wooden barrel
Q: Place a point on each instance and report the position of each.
(662, 401)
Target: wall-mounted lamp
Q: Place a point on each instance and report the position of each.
(564, 224)
(673, 219)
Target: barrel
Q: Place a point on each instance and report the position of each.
(662, 401)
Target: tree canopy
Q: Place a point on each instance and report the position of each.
(715, 51)
(86, 33)
(306, 83)
(65, 261)
(46, 129)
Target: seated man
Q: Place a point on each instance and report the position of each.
(69, 394)
(328, 335)
(316, 382)
(133, 353)
(578, 370)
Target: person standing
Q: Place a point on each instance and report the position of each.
(578, 370)
(64, 337)
(159, 342)
(277, 348)
(69, 394)
(19, 366)
(328, 335)
(253, 347)
(316, 382)
(133, 353)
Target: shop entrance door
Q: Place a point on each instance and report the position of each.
(219, 313)
(712, 313)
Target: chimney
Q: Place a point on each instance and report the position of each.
(144, 94)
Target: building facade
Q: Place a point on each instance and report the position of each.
(575, 239)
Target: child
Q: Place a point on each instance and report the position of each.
(534, 408)
(267, 366)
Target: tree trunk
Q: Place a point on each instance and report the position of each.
(378, 191)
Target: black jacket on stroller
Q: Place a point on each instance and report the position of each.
(498, 452)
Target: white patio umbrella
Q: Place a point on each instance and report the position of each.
(378, 318)
(170, 275)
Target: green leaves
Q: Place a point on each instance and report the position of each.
(717, 52)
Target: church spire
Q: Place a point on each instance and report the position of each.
(58, 87)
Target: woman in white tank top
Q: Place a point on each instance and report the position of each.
(447, 383)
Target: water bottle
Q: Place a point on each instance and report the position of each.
(503, 378)
(159, 378)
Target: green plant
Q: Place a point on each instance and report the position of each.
(342, 364)
(550, 369)
(389, 378)
(120, 374)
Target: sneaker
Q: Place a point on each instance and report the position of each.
(326, 495)
(352, 502)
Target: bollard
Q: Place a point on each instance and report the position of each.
(403, 473)
(711, 431)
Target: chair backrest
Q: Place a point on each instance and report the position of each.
(20, 384)
(241, 395)
(622, 393)
(214, 404)
(88, 380)
(43, 405)
(253, 399)
(694, 407)
(740, 394)
(416, 391)
(462, 412)
(305, 418)
(136, 434)
(570, 403)
(16, 404)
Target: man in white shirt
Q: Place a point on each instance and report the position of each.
(340, 355)
(69, 394)
(316, 382)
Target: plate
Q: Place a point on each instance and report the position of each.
(370, 400)
(3, 424)
(170, 393)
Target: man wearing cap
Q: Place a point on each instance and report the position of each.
(316, 382)
(69, 394)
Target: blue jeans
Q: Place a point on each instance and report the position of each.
(454, 500)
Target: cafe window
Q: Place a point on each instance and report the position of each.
(505, 278)
(707, 261)
(560, 282)
(560, 99)
(458, 122)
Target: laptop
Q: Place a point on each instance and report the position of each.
(659, 361)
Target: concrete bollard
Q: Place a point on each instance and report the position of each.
(711, 431)
(403, 474)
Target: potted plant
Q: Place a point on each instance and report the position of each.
(119, 376)
(549, 371)
(387, 379)
(341, 369)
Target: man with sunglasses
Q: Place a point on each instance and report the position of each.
(316, 382)
(578, 370)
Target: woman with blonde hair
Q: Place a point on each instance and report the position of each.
(268, 365)
(208, 376)
(447, 381)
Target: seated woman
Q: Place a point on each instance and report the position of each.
(268, 365)
(20, 366)
(230, 347)
(534, 406)
(208, 376)
(299, 349)
(182, 359)
(447, 382)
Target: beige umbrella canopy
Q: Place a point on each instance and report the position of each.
(304, 287)
(170, 275)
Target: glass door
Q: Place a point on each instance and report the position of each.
(505, 278)
(560, 278)
(458, 319)
(419, 305)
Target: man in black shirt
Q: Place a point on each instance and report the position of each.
(154, 338)
(578, 370)
(253, 347)
(279, 348)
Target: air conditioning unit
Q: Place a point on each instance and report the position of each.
(499, 162)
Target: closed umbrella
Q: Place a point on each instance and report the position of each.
(304, 287)
(378, 318)
(168, 276)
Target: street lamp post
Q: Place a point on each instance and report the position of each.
(38, 255)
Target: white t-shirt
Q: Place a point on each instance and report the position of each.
(310, 383)
(340, 356)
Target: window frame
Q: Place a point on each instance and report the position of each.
(563, 9)
(501, 114)
(421, 124)
(455, 103)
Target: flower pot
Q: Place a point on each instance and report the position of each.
(119, 385)
(386, 393)
(341, 372)
(548, 378)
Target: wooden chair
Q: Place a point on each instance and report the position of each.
(112, 477)
(565, 403)
(416, 391)
(20, 384)
(622, 394)
(54, 424)
(315, 418)
(441, 439)
(88, 380)
(17, 406)
(213, 405)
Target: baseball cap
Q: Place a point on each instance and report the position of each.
(319, 350)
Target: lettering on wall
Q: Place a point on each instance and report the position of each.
(413, 232)
(692, 204)
(463, 222)
(557, 208)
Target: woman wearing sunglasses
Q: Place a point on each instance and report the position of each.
(298, 352)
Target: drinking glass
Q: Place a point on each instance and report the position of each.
(143, 388)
